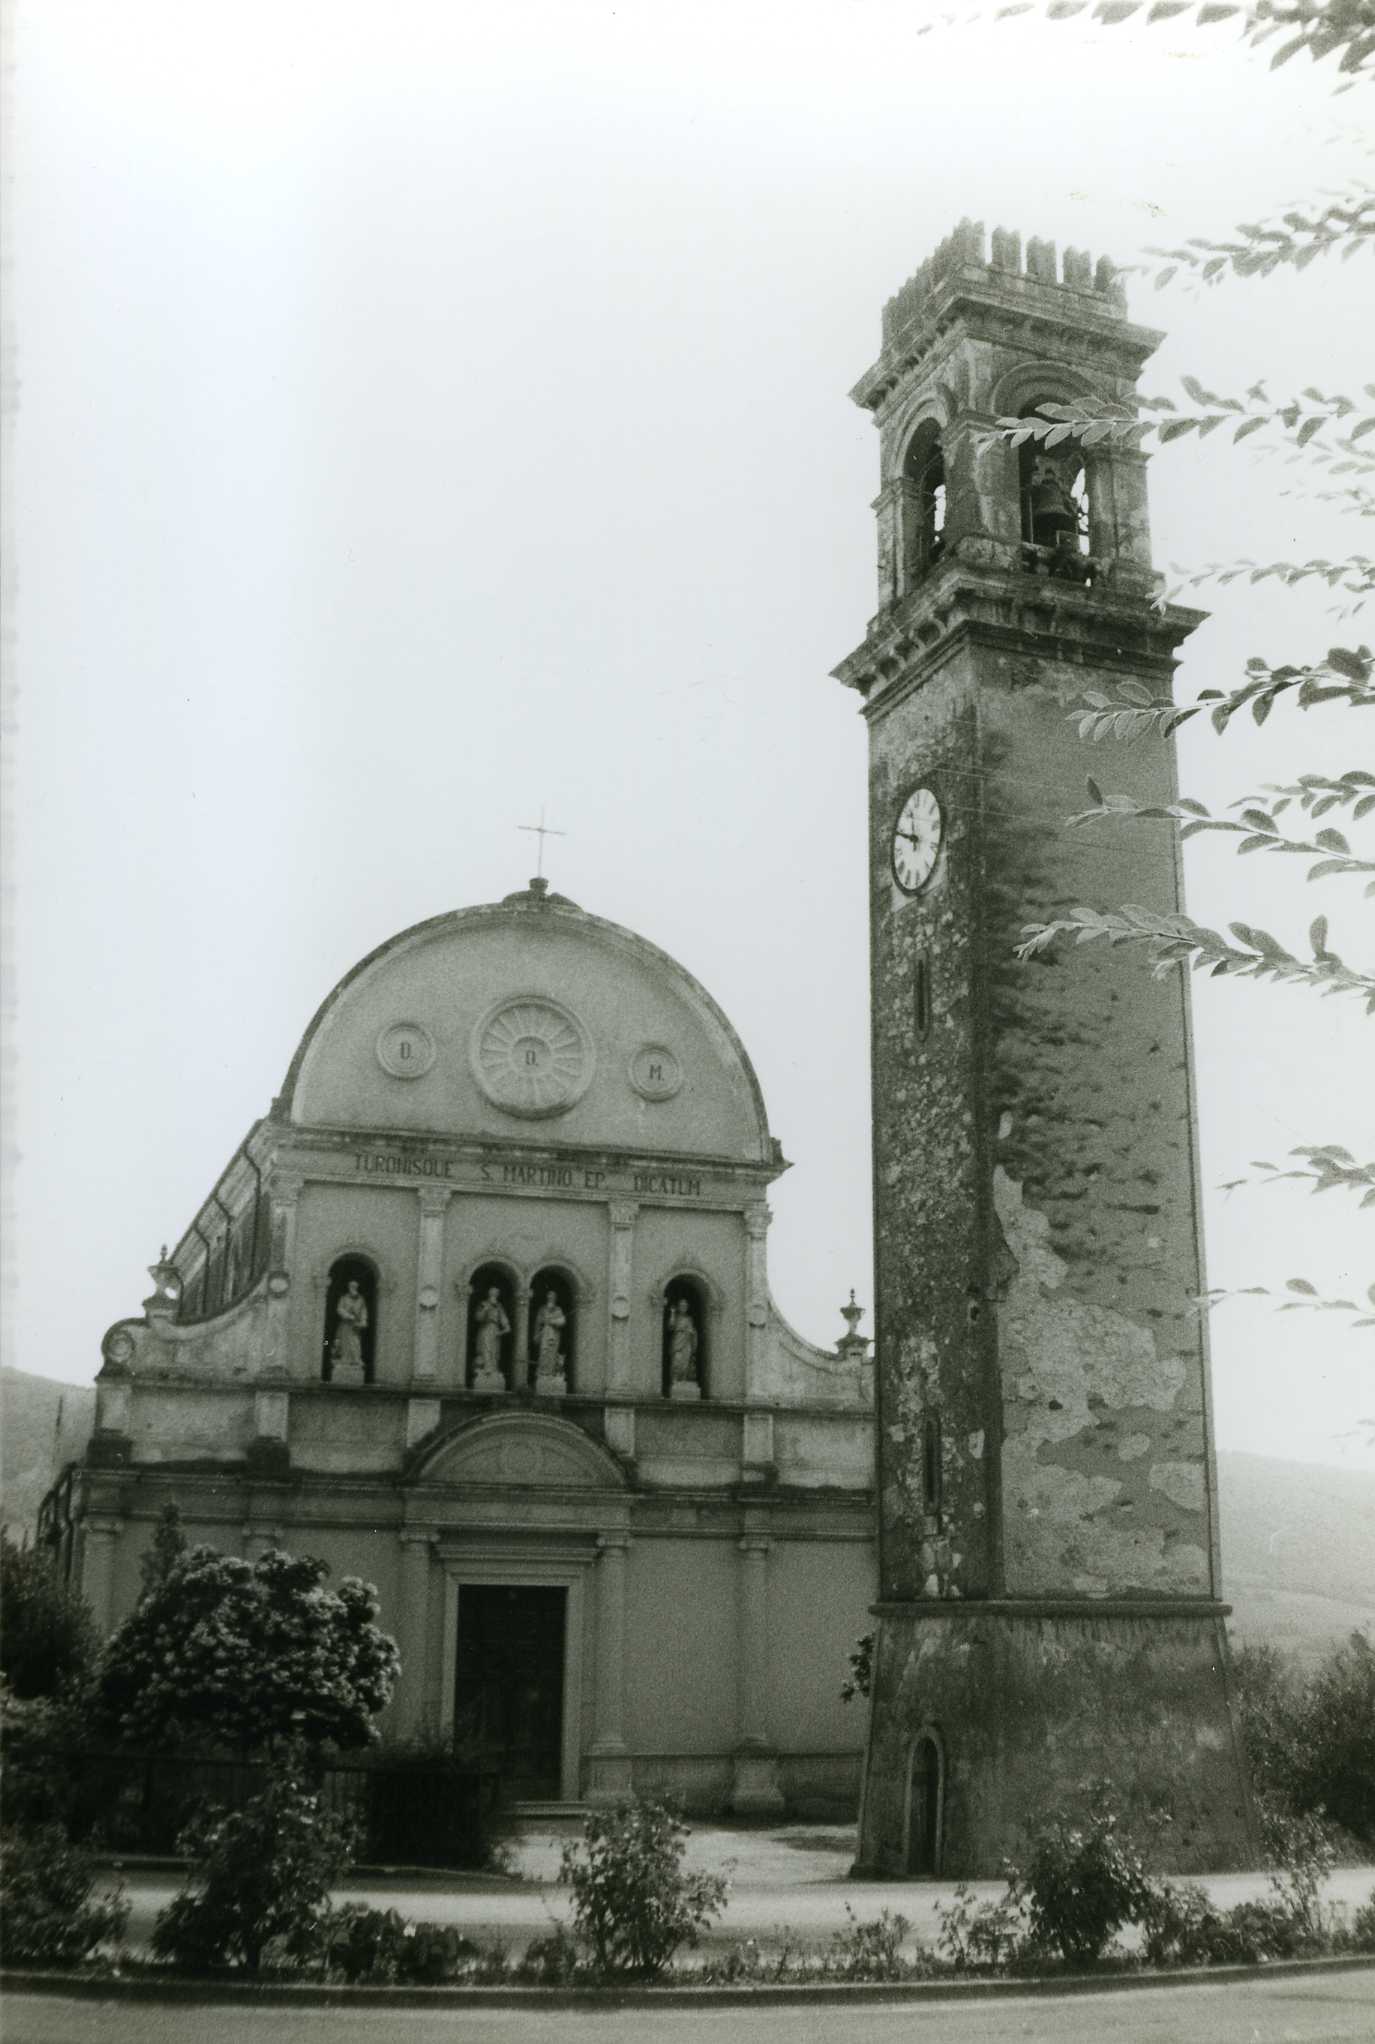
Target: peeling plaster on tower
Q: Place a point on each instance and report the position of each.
(1049, 1577)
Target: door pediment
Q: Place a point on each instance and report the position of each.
(526, 1450)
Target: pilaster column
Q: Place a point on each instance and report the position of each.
(755, 1790)
(622, 1215)
(608, 1756)
(98, 1571)
(429, 1276)
(412, 1626)
(283, 1199)
(888, 507)
(757, 1218)
(520, 1339)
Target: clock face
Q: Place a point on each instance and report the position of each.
(917, 840)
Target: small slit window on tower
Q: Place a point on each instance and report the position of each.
(931, 1463)
(921, 994)
(924, 471)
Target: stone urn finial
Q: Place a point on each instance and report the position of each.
(852, 1343)
(166, 1286)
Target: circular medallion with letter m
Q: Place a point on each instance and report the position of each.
(532, 1057)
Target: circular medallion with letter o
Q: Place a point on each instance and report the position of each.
(405, 1050)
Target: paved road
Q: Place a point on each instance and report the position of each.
(1339, 2009)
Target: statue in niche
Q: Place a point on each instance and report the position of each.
(682, 1351)
(550, 1322)
(346, 1350)
(492, 1327)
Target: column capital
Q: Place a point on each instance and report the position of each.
(622, 1213)
(103, 1528)
(285, 1189)
(754, 1543)
(434, 1199)
(417, 1536)
(617, 1541)
(757, 1218)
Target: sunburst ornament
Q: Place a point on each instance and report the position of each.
(532, 1057)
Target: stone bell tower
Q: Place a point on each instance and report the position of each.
(1049, 1615)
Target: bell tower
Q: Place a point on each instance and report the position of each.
(1049, 1614)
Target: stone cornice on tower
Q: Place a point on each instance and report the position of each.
(965, 599)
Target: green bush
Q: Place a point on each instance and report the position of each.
(1310, 1738)
(869, 1951)
(1080, 1883)
(262, 1878)
(46, 1915)
(972, 1933)
(48, 1644)
(552, 1961)
(382, 1948)
(633, 1903)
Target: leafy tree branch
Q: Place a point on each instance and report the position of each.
(1344, 29)
(1177, 940)
(1341, 227)
(1326, 1167)
(1346, 675)
(1309, 1299)
(1256, 827)
(1095, 418)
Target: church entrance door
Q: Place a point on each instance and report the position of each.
(508, 1684)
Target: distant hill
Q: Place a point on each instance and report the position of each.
(30, 1453)
(1298, 1541)
(1298, 1551)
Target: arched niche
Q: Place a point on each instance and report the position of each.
(349, 1334)
(685, 1358)
(490, 1350)
(925, 1813)
(553, 1322)
(924, 500)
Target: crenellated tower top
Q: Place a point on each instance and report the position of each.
(973, 339)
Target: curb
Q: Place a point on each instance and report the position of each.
(279, 1994)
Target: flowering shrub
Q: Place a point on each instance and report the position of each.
(249, 1654)
(262, 1878)
(46, 1915)
(633, 1903)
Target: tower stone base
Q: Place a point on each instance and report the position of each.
(991, 1718)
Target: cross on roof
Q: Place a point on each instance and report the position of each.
(542, 830)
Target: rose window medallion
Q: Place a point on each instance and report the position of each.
(532, 1057)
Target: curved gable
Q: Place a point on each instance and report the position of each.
(529, 1449)
(455, 981)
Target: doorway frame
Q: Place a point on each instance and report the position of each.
(929, 1735)
(519, 1568)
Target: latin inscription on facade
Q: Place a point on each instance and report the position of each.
(539, 1177)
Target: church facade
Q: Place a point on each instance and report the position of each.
(480, 1312)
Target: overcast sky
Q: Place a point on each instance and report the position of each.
(419, 414)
